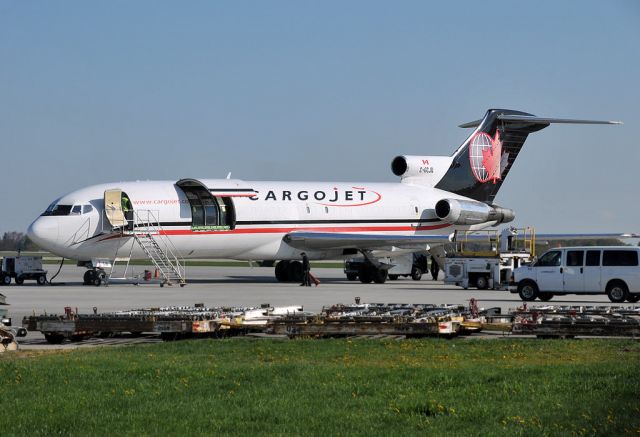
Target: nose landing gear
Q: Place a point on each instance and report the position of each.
(94, 277)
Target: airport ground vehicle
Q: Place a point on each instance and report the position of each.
(410, 264)
(22, 268)
(613, 270)
(484, 259)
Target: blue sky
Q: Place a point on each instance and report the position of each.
(109, 91)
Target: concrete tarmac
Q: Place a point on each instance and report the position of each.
(245, 286)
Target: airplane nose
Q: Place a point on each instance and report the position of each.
(44, 232)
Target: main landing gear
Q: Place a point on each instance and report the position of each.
(289, 271)
(94, 277)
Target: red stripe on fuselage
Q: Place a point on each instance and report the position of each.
(339, 229)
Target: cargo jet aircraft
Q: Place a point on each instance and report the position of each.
(248, 220)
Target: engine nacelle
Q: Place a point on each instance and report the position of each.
(430, 167)
(470, 212)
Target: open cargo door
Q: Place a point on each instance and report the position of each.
(113, 207)
(208, 212)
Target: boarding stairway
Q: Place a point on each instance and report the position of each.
(144, 227)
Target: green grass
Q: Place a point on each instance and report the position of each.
(326, 387)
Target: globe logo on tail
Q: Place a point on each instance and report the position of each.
(486, 157)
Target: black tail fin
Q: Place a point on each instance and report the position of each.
(483, 161)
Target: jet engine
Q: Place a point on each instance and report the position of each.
(470, 212)
(407, 166)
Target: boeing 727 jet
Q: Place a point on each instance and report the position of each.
(249, 220)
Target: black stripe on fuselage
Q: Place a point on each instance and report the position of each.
(232, 190)
(309, 222)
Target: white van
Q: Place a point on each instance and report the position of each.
(581, 270)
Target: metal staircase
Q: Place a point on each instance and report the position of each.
(147, 233)
(167, 264)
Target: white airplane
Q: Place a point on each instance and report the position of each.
(247, 220)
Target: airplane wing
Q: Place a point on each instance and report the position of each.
(330, 240)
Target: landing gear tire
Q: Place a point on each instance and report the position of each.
(633, 298)
(545, 297)
(482, 283)
(98, 278)
(282, 271)
(352, 276)
(617, 292)
(380, 276)
(42, 279)
(88, 277)
(416, 273)
(19, 280)
(528, 291)
(393, 277)
(294, 271)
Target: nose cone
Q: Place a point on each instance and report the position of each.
(44, 232)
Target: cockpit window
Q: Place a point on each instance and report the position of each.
(76, 210)
(58, 210)
(86, 209)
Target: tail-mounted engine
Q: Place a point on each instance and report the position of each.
(469, 212)
(423, 170)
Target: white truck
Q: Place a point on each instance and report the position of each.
(22, 268)
(614, 270)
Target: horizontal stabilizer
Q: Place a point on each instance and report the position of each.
(538, 120)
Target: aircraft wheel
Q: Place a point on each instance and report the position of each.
(380, 276)
(19, 280)
(99, 277)
(282, 271)
(88, 277)
(295, 271)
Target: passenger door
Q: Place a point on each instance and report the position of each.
(573, 271)
(113, 207)
(549, 271)
(592, 272)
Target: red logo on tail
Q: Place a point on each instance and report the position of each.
(486, 157)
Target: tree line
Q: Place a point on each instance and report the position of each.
(14, 241)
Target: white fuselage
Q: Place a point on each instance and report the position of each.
(264, 212)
